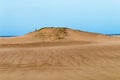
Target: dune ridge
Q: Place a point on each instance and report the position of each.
(52, 34)
(58, 34)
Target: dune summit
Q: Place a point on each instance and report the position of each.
(51, 34)
(58, 34)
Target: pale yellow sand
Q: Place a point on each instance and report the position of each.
(30, 58)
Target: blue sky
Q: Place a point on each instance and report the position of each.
(18, 17)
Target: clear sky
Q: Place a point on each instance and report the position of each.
(18, 17)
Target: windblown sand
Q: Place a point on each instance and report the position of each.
(22, 59)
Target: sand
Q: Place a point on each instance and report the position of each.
(30, 58)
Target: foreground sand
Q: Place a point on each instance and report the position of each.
(60, 61)
(60, 54)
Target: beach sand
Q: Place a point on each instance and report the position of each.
(80, 56)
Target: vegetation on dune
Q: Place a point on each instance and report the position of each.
(51, 28)
(52, 33)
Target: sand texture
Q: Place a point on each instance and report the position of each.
(60, 54)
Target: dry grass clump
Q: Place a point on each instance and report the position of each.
(51, 33)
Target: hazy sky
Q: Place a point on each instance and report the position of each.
(18, 17)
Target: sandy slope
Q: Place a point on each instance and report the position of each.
(93, 61)
(30, 58)
(58, 34)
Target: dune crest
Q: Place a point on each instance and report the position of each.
(50, 33)
(58, 34)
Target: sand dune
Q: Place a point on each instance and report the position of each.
(71, 55)
(58, 34)
(69, 35)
